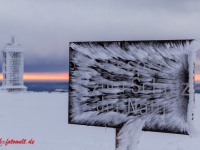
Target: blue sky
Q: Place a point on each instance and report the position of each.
(45, 27)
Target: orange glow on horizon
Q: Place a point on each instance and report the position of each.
(197, 77)
(44, 76)
(64, 76)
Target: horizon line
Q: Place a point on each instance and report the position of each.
(44, 76)
(58, 76)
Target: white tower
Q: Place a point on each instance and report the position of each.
(13, 67)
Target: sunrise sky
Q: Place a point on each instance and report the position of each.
(62, 76)
(45, 28)
(197, 78)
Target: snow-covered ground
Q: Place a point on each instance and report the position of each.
(43, 117)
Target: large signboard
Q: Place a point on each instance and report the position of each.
(112, 83)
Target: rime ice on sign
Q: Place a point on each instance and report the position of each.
(13, 68)
(133, 86)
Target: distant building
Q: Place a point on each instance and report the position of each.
(13, 67)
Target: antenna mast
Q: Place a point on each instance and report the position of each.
(13, 39)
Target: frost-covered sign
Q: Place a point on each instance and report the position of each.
(134, 86)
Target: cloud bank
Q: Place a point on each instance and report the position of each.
(45, 28)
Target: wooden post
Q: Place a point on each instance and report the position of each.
(116, 142)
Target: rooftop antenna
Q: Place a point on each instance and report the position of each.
(13, 39)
